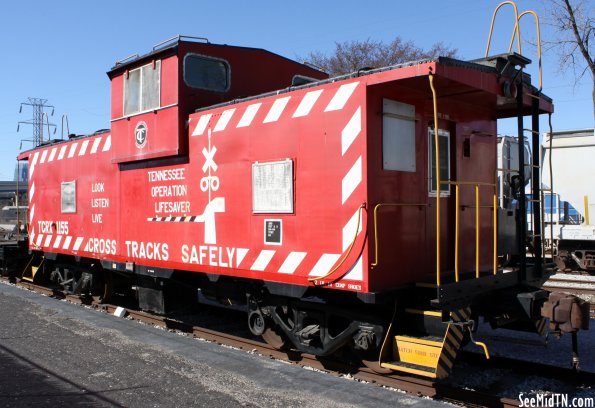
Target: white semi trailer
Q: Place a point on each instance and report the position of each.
(572, 227)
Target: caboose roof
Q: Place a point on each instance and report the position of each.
(479, 65)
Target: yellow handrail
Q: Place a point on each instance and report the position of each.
(376, 207)
(516, 25)
(537, 27)
(477, 206)
(435, 105)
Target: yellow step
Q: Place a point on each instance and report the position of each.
(410, 369)
(413, 350)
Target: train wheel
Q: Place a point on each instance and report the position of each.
(275, 339)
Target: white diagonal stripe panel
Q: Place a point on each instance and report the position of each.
(202, 124)
(95, 145)
(62, 152)
(249, 115)
(349, 229)
(240, 254)
(39, 239)
(83, 148)
(44, 154)
(72, 150)
(33, 163)
(324, 264)
(224, 120)
(351, 180)
(276, 110)
(52, 154)
(57, 241)
(77, 243)
(357, 272)
(67, 242)
(291, 263)
(263, 260)
(341, 97)
(32, 191)
(352, 130)
(307, 103)
(48, 239)
(108, 144)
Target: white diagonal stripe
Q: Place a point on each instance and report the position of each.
(48, 239)
(202, 124)
(67, 242)
(52, 154)
(291, 263)
(263, 260)
(62, 152)
(240, 254)
(249, 114)
(357, 272)
(341, 97)
(39, 239)
(108, 143)
(57, 241)
(351, 130)
(276, 110)
(351, 180)
(77, 243)
(224, 120)
(83, 148)
(349, 229)
(72, 150)
(307, 103)
(44, 154)
(95, 145)
(31, 213)
(33, 163)
(32, 191)
(324, 264)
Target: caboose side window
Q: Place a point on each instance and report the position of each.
(444, 144)
(398, 136)
(68, 197)
(142, 89)
(207, 73)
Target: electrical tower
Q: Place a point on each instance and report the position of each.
(39, 120)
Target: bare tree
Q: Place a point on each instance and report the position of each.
(575, 23)
(350, 56)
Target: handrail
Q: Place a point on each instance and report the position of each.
(123, 60)
(437, 160)
(537, 27)
(376, 207)
(516, 15)
(315, 279)
(477, 185)
(179, 37)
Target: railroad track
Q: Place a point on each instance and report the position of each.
(412, 385)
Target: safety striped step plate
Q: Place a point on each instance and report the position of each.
(428, 356)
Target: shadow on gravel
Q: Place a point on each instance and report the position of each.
(26, 384)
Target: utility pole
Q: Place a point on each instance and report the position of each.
(40, 118)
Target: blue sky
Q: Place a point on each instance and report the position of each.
(61, 50)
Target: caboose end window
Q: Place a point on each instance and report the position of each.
(444, 147)
(142, 89)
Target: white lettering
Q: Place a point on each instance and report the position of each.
(166, 175)
(147, 250)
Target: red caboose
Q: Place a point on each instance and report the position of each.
(316, 202)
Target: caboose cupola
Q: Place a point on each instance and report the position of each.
(153, 94)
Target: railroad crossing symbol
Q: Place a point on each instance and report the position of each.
(140, 134)
(209, 182)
